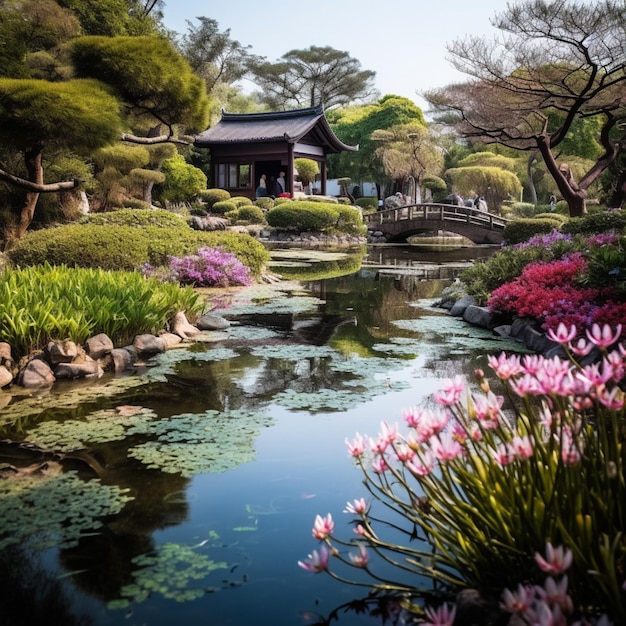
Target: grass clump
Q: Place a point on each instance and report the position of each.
(43, 303)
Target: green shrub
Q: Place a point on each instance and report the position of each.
(43, 303)
(303, 216)
(280, 200)
(136, 217)
(250, 214)
(128, 248)
(266, 203)
(134, 203)
(222, 207)
(368, 203)
(343, 200)
(520, 230)
(524, 209)
(211, 196)
(320, 199)
(595, 223)
(240, 200)
(350, 221)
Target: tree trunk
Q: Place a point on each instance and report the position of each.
(530, 183)
(34, 167)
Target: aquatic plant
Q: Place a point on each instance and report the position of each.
(480, 483)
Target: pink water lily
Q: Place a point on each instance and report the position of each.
(356, 506)
(323, 527)
(361, 559)
(441, 616)
(604, 337)
(557, 560)
(317, 561)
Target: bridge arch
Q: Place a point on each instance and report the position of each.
(400, 223)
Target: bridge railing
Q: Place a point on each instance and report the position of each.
(435, 211)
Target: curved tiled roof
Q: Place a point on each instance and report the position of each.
(273, 127)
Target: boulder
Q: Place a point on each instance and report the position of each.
(77, 370)
(6, 377)
(122, 359)
(62, 352)
(459, 307)
(170, 339)
(5, 352)
(37, 373)
(98, 345)
(148, 344)
(212, 322)
(479, 316)
(182, 328)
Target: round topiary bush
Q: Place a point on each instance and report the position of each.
(223, 206)
(250, 214)
(303, 216)
(367, 203)
(240, 201)
(211, 196)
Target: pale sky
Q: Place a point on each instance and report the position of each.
(403, 41)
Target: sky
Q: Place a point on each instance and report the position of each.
(403, 41)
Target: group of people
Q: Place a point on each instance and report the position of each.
(478, 202)
(274, 188)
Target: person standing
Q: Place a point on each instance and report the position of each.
(281, 186)
(261, 190)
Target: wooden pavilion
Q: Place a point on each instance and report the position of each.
(243, 146)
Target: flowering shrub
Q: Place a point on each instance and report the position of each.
(480, 483)
(209, 267)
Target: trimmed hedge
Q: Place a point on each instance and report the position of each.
(367, 202)
(211, 196)
(523, 229)
(303, 216)
(223, 206)
(136, 217)
(596, 223)
(248, 213)
(128, 248)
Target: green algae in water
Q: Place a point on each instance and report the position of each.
(199, 443)
(174, 571)
(49, 511)
(97, 427)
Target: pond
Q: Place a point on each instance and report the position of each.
(185, 492)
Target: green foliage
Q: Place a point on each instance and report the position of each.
(78, 115)
(503, 184)
(314, 216)
(307, 170)
(133, 203)
(221, 207)
(434, 183)
(128, 247)
(140, 217)
(149, 75)
(487, 159)
(44, 302)
(247, 214)
(121, 156)
(368, 203)
(602, 222)
(240, 200)
(183, 182)
(606, 268)
(211, 196)
(266, 203)
(520, 230)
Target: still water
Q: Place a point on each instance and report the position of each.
(185, 492)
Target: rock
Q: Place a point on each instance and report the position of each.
(212, 322)
(537, 341)
(503, 331)
(6, 377)
(5, 353)
(62, 352)
(77, 370)
(99, 345)
(148, 344)
(479, 316)
(170, 339)
(36, 373)
(181, 327)
(459, 307)
(519, 326)
(122, 359)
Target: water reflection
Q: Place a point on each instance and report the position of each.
(229, 450)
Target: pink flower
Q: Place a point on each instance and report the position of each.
(582, 347)
(604, 337)
(388, 433)
(323, 527)
(379, 465)
(432, 422)
(502, 455)
(422, 466)
(450, 392)
(556, 561)
(357, 507)
(441, 616)
(562, 335)
(522, 446)
(361, 559)
(360, 530)
(505, 366)
(517, 601)
(445, 447)
(317, 561)
(613, 399)
(554, 592)
(356, 448)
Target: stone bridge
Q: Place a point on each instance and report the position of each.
(398, 224)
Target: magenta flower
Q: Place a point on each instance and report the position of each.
(563, 334)
(422, 466)
(505, 366)
(450, 392)
(379, 465)
(441, 616)
(361, 559)
(604, 337)
(522, 447)
(445, 448)
(556, 561)
(323, 527)
(317, 561)
(554, 592)
(518, 601)
(582, 347)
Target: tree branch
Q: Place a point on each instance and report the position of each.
(38, 188)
